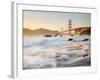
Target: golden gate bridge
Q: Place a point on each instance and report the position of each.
(72, 31)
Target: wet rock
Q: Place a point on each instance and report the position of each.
(48, 36)
(70, 39)
(85, 55)
(85, 39)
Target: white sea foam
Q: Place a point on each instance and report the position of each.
(43, 52)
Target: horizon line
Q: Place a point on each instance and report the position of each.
(53, 30)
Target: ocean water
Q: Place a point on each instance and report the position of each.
(55, 52)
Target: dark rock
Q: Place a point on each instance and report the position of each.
(47, 36)
(70, 39)
(85, 55)
(85, 40)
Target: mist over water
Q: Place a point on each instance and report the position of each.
(55, 52)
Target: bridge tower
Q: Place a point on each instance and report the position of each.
(61, 35)
(69, 26)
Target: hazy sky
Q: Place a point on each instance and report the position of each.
(55, 20)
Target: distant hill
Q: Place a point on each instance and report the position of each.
(27, 31)
(40, 31)
(43, 32)
(87, 31)
(81, 31)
